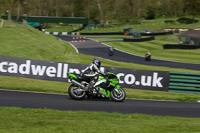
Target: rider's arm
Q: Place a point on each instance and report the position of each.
(98, 70)
(87, 72)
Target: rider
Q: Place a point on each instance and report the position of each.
(148, 53)
(111, 49)
(148, 56)
(91, 71)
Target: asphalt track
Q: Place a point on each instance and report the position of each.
(99, 49)
(65, 103)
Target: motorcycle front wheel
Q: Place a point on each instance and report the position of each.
(76, 93)
(118, 96)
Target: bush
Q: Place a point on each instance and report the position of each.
(150, 14)
(169, 21)
(187, 20)
(94, 21)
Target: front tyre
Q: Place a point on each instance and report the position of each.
(118, 96)
(75, 92)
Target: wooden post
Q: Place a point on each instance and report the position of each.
(2, 23)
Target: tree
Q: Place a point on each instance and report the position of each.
(121, 10)
(192, 6)
(100, 9)
(2, 7)
(78, 8)
(19, 8)
(11, 5)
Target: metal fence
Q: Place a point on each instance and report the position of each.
(44, 19)
(184, 82)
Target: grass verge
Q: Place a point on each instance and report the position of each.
(19, 120)
(16, 83)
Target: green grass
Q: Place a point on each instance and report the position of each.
(154, 25)
(60, 29)
(26, 42)
(19, 120)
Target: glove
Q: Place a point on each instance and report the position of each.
(103, 74)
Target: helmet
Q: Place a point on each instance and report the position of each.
(148, 53)
(97, 62)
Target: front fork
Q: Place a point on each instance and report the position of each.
(117, 87)
(107, 92)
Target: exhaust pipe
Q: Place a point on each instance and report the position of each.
(77, 83)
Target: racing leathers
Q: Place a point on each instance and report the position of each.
(90, 73)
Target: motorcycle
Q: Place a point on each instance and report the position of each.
(147, 57)
(106, 86)
(111, 51)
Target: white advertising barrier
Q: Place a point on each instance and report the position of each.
(57, 71)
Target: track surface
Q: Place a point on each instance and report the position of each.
(64, 102)
(91, 47)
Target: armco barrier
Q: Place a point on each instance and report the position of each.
(48, 19)
(184, 82)
(103, 33)
(57, 71)
(157, 33)
(180, 46)
(139, 39)
(128, 78)
(62, 33)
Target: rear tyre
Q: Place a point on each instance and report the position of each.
(110, 54)
(75, 92)
(118, 96)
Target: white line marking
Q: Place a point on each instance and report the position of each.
(74, 47)
(94, 40)
(47, 33)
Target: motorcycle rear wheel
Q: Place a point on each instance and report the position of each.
(75, 93)
(110, 54)
(118, 96)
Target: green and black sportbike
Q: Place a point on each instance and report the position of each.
(106, 86)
